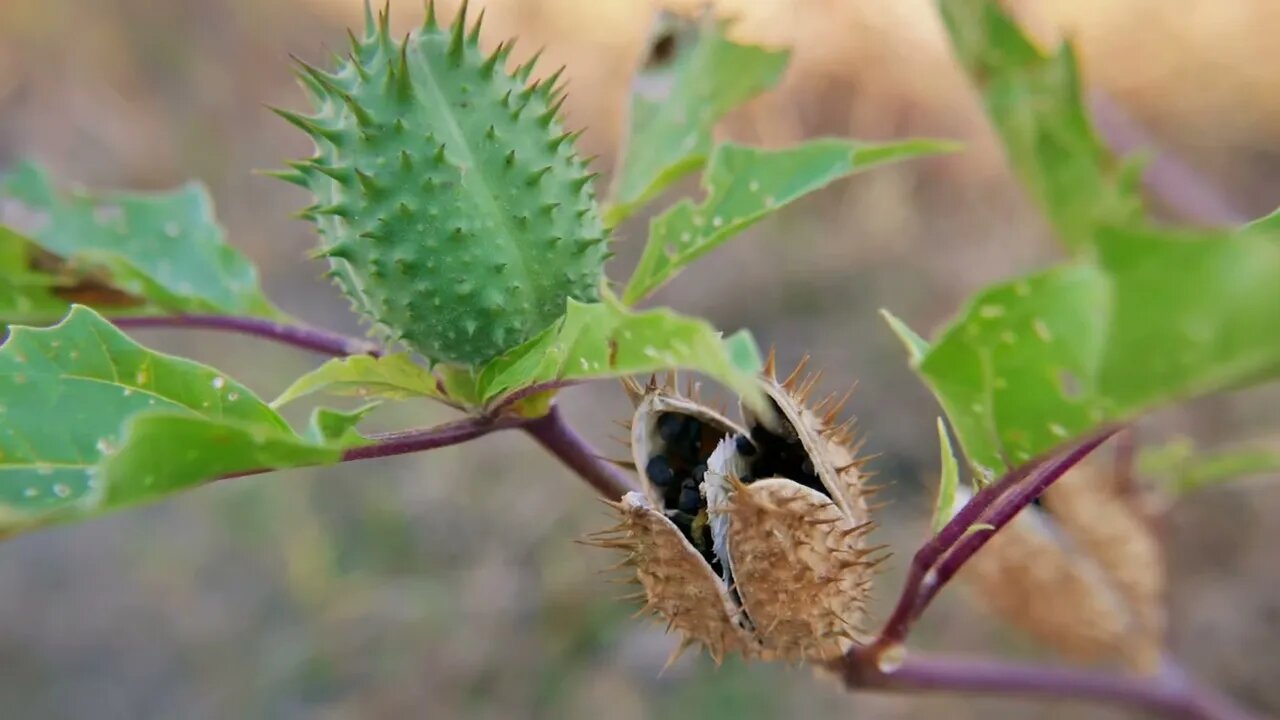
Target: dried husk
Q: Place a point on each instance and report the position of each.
(1086, 578)
(796, 571)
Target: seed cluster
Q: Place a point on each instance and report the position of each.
(782, 454)
(677, 469)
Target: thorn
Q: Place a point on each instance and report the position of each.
(308, 125)
(495, 58)
(552, 111)
(581, 182)
(789, 383)
(536, 176)
(369, 27)
(430, 22)
(367, 183)
(290, 176)
(456, 42)
(771, 363)
(685, 644)
(548, 83)
(635, 393)
(807, 387)
(399, 83)
(473, 39)
(523, 72)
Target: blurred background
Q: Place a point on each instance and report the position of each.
(447, 585)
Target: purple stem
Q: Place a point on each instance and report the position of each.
(560, 439)
(1167, 178)
(1171, 695)
(1003, 512)
(314, 339)
(909, 605)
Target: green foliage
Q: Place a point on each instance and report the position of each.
(1035, 361)
(743, 186)
(948, 480)
(392, 377)
(93, 421)
(454, 210)
(1147, 318)
(1035, 103)
(164, 250)
(1181, 470)
(605, 340)
(670, 133)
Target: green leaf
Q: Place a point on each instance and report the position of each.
(1035, 103)
(746, 184)
(1182, 471)
(164, 247)
(948, 481)
(670, 135)
(1162, 317)
(604, 340)
(329, 426)
(916, 346)
(26, 292)
(393, 377)
(1266, 223)
(92, 421)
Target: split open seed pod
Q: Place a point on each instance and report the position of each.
(1084, 575)
(762, 523)
(797, 525)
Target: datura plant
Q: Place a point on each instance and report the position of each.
(454, 211)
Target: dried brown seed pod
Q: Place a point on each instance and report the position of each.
(764, 524)
(796, 533)
(1085, 577)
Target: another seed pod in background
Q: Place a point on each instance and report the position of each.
(1084, 574)
(748, 538)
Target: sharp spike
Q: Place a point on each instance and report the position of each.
(384, 26)
(367, 182)
(685, 644)
(789, 383)
(495, 58)
(429, 23)
(370, 26)
(290, 176)
(806, 388)
(635, 393)
(523, 72)
(552, 111)
(308, 125)
(473, 39)
(771, 363)
(399, 82)
(581, 182)
(549, 83)
(457, 40)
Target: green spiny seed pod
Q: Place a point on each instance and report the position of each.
(452, 206)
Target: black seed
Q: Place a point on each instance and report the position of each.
(659, 471)
(744, 446)
(807, 466)
(698, 471)
(670, 427)
(690, 499)
(682, 520)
